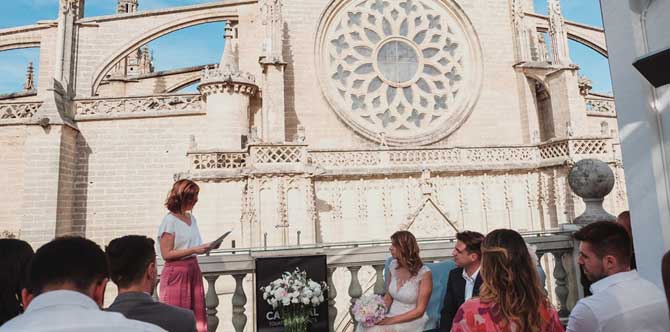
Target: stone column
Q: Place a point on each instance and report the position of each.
(558, 34)
(273, 128)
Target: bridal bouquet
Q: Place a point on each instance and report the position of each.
(369, 310)
(294, 294)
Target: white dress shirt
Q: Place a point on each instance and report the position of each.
(63, 310)
(621, 302)
(469, 283)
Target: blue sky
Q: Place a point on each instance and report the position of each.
(206, 40)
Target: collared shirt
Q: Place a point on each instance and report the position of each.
(469, 283)
(63, 310)
(621, 302)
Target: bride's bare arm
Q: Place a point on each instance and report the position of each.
(425, 288)
(388, 300)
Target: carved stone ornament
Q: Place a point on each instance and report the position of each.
(411, 69)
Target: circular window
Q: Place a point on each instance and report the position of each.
(397, 61)
(403, 72)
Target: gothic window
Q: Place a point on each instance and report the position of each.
(407, 69)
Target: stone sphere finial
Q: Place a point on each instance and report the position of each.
(592, 180)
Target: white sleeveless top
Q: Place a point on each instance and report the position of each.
(185, 236)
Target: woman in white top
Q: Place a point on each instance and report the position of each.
(407, 290)
(180, 242)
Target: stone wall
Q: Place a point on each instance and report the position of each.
(12, 140)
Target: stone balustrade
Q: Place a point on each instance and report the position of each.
(297, 157)
(18, 112)
(600, 105)
(352, 257)
(140, 106)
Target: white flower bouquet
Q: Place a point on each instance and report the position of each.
(369, 310)
(294, 294)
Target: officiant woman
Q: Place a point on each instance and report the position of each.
(180, 243)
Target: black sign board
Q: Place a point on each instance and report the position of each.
(269, 269)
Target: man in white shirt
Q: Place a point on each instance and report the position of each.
(621, 300)
(66, 285)
(464, 281)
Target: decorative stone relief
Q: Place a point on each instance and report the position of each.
(399, 72)
(19, 110)
(600, 106)
(138, 106)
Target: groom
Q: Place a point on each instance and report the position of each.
(464, 281)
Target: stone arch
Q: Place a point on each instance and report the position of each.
(13, 45)
(584, 39)
(589, 43)
(183, 83)
(22, 37)
(146, 37)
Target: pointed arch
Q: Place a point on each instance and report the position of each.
(128, 48)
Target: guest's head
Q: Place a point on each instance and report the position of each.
(467, 250)
(405, 249)
(132, 263)
(68, 263)
(182, 197)
(509, 279)
(623, 219)
(605, 249)
(15, 256)
(665, 272)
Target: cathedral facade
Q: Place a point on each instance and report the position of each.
(324, 121)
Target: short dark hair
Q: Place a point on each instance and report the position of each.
(15, 256)
(67, 259)
(129, 257)
(607, 238)
(472, 241)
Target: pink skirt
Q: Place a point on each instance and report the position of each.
(181, 286)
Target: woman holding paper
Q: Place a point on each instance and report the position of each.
(180, 242)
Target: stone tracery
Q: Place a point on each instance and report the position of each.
(406, 69)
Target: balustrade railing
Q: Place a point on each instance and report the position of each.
(17, 112)
(600, 105)
(140, 106)
(352, 257)
(266, 156)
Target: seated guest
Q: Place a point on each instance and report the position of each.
(511, 298)
(621, 300)
(66, 287)
(132, 265)
(408, 288)
(464, 281)
(14, 258)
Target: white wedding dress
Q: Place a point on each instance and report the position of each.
(404, 300)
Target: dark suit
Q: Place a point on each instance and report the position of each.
(142, 307)
(455, 297)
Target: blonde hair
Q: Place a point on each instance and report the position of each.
(510, 280)
(409, 251)
(183, 193)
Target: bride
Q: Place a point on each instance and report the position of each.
(408, 288)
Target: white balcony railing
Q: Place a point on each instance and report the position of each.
(351, 257)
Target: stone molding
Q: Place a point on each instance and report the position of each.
(18, 112)
(134, 107)
(281, 158)
(600, 105)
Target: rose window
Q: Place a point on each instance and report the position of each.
(406, 72)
